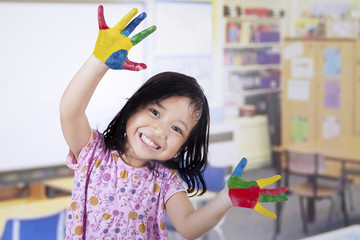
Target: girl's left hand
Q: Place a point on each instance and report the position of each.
(113, 44)
(250, 194)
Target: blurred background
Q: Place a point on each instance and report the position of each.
(281, 76)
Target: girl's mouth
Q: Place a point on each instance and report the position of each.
(149, 142)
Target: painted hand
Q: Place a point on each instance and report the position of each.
(113, 44)
(250, 194)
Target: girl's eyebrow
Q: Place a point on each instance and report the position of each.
(183, 123)
(179, 120)
(160, 105)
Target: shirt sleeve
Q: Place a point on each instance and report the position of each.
(89, 152)
(174, 185)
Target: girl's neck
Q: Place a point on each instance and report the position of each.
(133, 162)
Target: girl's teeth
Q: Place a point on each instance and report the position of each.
(149, 142)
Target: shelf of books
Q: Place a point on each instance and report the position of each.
(252, 52)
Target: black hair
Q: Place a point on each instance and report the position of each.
(191, 159)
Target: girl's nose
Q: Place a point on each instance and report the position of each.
(161, 130)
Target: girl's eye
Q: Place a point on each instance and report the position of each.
(154, 112)
(176, 129)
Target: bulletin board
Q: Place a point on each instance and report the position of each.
(299, 96)
(319, 89)
(336, 89)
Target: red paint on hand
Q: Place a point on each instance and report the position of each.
(244, 197)
(129, 65)
(101, 18)
(274, 191)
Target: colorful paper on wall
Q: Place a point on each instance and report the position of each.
(332, 62)
(302, 68)
(330, 9)
(293, 50)
(331, 127)
(299, 129)
(342, 28)
(332, 94)
(298, 90)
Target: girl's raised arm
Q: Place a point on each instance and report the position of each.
(111, 51)
(74, 123)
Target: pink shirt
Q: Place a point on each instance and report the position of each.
(112, 200)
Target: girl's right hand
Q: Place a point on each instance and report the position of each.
(249, 194)
(113, 44)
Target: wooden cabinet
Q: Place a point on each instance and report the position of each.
(320, 88)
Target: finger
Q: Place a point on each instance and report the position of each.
(133, 24)
(269, 198)
(240, 168)
(101, 19)
(143, 34)
(124, 21)
(267, 181)
(133, 66)
(264, 211)
(274, 191)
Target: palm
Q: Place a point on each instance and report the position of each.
(113, 44)
(249, 194)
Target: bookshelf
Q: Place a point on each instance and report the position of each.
(251, 56)
(251, 59)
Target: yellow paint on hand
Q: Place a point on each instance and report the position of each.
(259, 208)
(267, 181)
(125, 20)
(110, 41)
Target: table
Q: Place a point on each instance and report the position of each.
(30, 208)
(349, 233)
(345, 149)
(64, 184)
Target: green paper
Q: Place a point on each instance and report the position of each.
(299, 129)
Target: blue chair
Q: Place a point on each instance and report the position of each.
(215, 179)
(43, 228)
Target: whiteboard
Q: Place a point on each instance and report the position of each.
(186, 31)
(184, 40)
(42, 45)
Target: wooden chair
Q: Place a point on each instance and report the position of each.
(310, 166)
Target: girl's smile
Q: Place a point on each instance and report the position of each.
(157, 131)
(149, 142)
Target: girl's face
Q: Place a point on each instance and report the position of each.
(157, 131)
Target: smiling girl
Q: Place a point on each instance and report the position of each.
(128, 176)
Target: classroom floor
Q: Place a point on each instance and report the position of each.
(246, 224)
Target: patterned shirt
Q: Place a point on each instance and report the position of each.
(112, 200)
